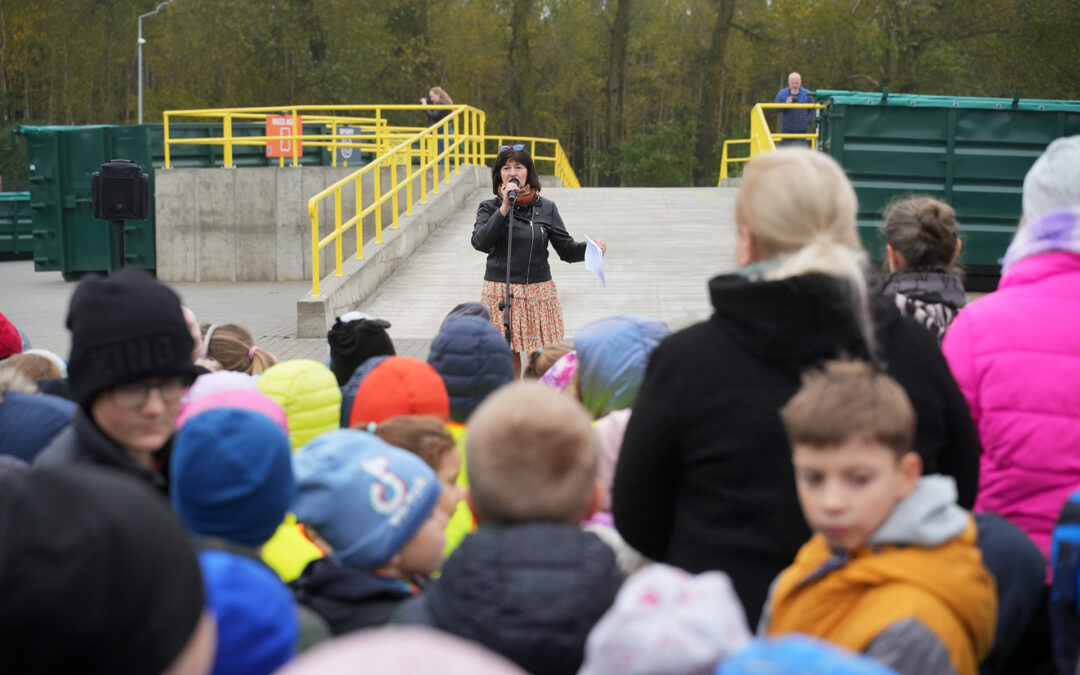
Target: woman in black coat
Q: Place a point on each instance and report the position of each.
(536, 319)
(704, 480)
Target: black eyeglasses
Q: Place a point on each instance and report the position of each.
(515, 148)
(135, 394)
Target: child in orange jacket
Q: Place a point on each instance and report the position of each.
(892, 569)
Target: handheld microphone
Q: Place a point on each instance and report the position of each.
(511, 194)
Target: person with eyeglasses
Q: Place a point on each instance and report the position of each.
(130, 364)
(536, 315)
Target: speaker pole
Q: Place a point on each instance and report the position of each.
(116, 246)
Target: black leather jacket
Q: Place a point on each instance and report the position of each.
(534, 226)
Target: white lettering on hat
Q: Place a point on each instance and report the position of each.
(389, 490)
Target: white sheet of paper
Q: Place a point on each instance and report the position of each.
(594, 260)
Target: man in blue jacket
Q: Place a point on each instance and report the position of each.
(794, 120)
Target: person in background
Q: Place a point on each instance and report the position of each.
(29, 420)
(1015, 354)
(922, 245)
(98, 577)
(256, 619)
(795, 120)
(704, 480)
(665, 620)
(529, 583)
(402, 649)
(130, 364)
(234, 348)
(353, 342)
(33, 366)
(438, 96)
(397, 385)
(542, 358)
(536, 315)
(375, 508)
(231, 482)
(473, 360)
(425, 436)
(11, 341)
(893, 569)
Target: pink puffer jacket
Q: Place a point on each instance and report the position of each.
(1016, 356)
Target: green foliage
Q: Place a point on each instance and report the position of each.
(660, 155)
(74, 62)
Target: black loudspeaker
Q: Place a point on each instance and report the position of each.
(120, 191)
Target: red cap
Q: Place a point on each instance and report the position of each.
(399, 386)
(10, 340)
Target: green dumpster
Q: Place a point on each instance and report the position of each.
(971, 152)
(64, 234)
(16, 234)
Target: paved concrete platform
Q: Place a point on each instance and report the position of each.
(663, 245)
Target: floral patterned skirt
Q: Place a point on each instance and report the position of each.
(536, 318)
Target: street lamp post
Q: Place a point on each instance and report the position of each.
(142, 41)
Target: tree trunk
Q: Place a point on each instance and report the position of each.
(710, 94)
(521, 79)
(616, 86)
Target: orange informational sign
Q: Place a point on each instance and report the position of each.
(282, 127)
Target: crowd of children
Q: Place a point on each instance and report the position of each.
(866, 473)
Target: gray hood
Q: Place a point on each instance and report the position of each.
(929, 516)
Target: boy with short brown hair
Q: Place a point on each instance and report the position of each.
(893, 569)
(529, 583)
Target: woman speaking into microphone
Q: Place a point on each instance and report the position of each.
(535, 313)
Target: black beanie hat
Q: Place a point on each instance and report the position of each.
(125, 328)
(95, 575)
(353, 342)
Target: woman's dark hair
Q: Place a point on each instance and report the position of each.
(922, 230)
(523, 156)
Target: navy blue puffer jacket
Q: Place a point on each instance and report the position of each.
(473, 360)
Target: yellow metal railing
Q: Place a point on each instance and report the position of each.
(560, 163)
(463, 145)
(375, 135)
(762, 139)
(470, 146)
(408, 154)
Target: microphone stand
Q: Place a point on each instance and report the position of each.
(505, 303)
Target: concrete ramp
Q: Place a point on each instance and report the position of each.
(663, 246)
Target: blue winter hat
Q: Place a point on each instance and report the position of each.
(473, 361)
(256, 618)
(362, 495)
(796, 655)
(230, 475)
(612, 355)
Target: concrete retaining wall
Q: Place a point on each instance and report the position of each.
(338, 295)
(251, 224)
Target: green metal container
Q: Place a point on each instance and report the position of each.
(16, 232)
(970, 152)
(65, 234)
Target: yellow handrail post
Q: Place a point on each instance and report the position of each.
(446, 153)
(409, 175)
(394, 183)
(435, 167)
(298, 132)
(315, 250)
(457, 147)
(378, 204)
(723, 161)
(337, 231)
(333, 143)
(423, 169)
(168, 154)
(359, 215)
(227, 137)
